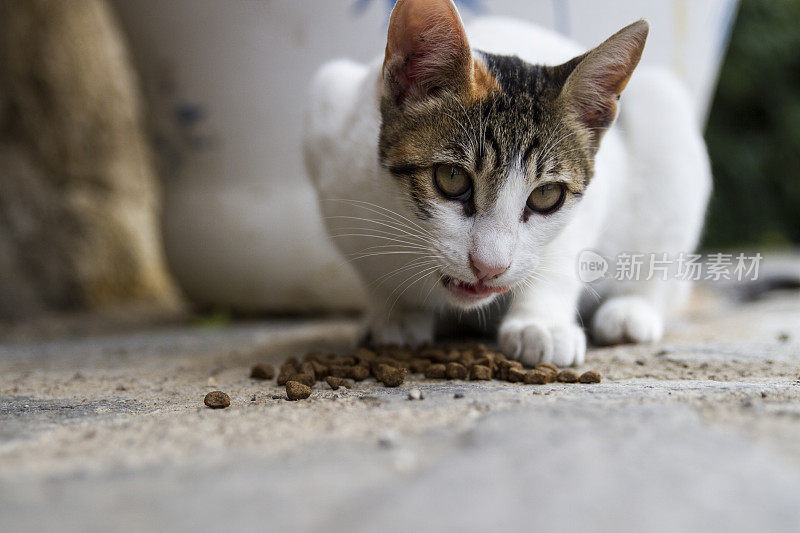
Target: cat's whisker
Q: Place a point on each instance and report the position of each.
(398, 229)
(393, 215)
(405, 244)
(376, 254)
(417, 263)
(428, 295)
(424, 274)
(403, 231)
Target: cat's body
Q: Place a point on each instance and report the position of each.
(644, 190)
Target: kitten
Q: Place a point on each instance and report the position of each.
(460, 168)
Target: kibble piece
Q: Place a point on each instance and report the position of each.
(516, 374)
(542, 366)
(262, 372)
(335, 382)
(437, 371)
(283, 377)
(339, 371)
(590, 376)
(364, 355)
(307, 368)
(503, 367)
(217, 400)
(293, 361)
(314, 356)
(289, 369)
(480, 372)
(418, 366)
(455, 370)
(320, 370)
(305, 379)
(297, 391)
(537, 377)
(391, 376)
(568, 376)
(359, 372)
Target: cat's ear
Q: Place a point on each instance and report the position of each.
(598, 77)
(426, 50)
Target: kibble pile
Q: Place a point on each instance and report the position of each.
(391, 364)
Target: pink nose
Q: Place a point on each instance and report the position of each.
(485, 271)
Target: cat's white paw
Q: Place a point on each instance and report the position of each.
(626, 319)
(409, 328)
(535, 340)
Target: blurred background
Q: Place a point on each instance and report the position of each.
(150, 151)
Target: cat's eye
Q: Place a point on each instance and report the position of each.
(547, 198)
(452, 181)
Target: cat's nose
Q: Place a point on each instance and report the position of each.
(485, 271)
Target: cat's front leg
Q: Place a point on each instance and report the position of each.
(540, 326)
(398, 326)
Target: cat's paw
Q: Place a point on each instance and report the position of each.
(408, 328)
(626, 319)
(535, 340)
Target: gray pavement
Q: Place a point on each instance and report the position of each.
(699, 433)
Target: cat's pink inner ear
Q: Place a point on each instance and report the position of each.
(426, 49)
(594, 87)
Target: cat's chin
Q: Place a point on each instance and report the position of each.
(470, 295)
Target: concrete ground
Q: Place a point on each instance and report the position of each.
(108, 432)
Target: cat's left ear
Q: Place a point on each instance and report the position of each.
(598, 77)
(426, 51)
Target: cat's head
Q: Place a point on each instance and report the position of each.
(491, 153)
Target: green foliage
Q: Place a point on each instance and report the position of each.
(754, 130)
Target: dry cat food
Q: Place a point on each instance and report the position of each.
(217, 400)
(568, 376)
(391, 364)
(297, 391)
(262, 372)
(335, 382)
(591, 376)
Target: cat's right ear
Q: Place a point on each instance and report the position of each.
(426, 50)
(598, 77)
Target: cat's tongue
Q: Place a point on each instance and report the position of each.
(476, 290)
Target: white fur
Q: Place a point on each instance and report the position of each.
(649, 194)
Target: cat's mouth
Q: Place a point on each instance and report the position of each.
(472, 291)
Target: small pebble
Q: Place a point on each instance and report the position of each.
(335, 382)
(276, 397)
(415, 394)
(568, 376)
(262, 372)
(590, 376)
(456, 371)
(437, 371)
(297, 391)
(458, 395)
(217, 400)
(212, 382)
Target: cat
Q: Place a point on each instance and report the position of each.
(458, 168)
